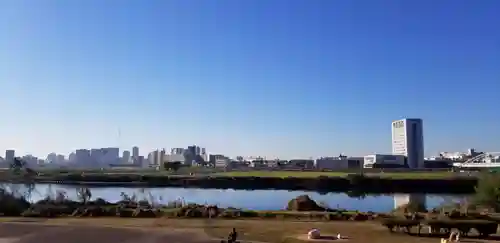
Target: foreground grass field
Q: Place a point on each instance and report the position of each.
(271, 231)
(312, 174)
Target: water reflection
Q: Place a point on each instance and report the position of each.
(256, 199)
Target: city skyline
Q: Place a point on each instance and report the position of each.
(272, 78)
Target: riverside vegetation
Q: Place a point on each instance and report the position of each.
(475, 213)
(450, 183)
(392, 181)
(475, 216)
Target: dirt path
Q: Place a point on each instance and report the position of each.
(36, 232)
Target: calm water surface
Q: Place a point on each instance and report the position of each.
(256, 199)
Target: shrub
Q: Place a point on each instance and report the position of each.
(334, 216)
(10, 205)
(488, 192)
(483, 227)
(356, 179)
(398, 223)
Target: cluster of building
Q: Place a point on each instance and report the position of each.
(407, 151)
(110, 158)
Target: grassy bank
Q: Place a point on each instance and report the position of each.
(474, 218)
(300, 214)
(271, 231)
(263, 226)
(416, 182)
(313, 174)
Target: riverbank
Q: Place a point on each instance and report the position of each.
(373, 183)
(289, 225)
(472, 218)
(64, 230)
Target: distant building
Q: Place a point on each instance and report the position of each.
(109, 156)
(301, 163)
(51, 158)
(126, 159)
(152, 157)
(10, 155)
(72, 157)
(157, 158)
(339, 163)
(82, 157)
(60, 159)
(331, 163)
(174, 158)
(214, 157)
(438, 163)
(408, 140)
(223, 162)
(384, 161)
(30, 160)
(177, 151)
(135, 152)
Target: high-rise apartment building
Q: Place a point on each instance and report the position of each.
(126, 157)
(10, 155)
(157, 158)
(408, 140)
(177, 151)
(135, 152)
(82, 157)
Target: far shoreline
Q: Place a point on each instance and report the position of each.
(372, 184)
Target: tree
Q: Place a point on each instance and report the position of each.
(488, 191)
(60, 196)
(17, 165)
(84, 194)
(174, 166)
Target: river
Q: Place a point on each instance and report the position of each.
(255, 200)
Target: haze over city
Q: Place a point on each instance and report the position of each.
(270, 78)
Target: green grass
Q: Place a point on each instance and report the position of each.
(281, 174)
(312, 174)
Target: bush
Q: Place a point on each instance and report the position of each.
(488, 192)
(399, 223)
(356, 179)
(11, 205)
(483, 227)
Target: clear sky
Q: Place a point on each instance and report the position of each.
(257, 77)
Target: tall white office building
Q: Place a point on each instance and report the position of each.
(408, 140)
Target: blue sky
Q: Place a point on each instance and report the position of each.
(258, 77)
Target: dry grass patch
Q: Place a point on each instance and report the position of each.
(272, 231)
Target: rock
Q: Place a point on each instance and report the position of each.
(314, 234)
(303, 203)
